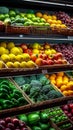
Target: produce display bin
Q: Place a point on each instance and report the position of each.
(17, 30)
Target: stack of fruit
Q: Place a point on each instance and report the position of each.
(14, 57)
(63, 82)
(37, 87)
(29, 56)
(15, 17)
(37, 120)
(65, 18)
(10, 96)
(12, 124)
(68, 110)
(66, 50)
(52, 20)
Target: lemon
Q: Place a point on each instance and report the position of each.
(5, 57)
(21, 50)
(1, 65)
(16, 64)
(2, 50)
(10, 64)
(23, 64)
(26, 57)
(6, 51)
(31, 64)
(10, 45)
(35, 51)
(15, 51)
(19, 58)
(12, 57)
(3, 44)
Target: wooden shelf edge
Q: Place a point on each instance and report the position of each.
(46, 69)
(36, 106)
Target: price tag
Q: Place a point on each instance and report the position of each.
(70, 37)
(44, 71)
(69, 102)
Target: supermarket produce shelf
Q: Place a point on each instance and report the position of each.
(51, 38)
(36, 106)
(20, 71)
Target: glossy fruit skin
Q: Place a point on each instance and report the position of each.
(50, 62)
(23, 46)
(34, 57)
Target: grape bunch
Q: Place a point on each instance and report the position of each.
(65, 18)
(66, 50)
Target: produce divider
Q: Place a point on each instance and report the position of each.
(20, 71)
(36, 107)
(24, 94)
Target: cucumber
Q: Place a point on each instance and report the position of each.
(17, 92)
(4, 95)
(5, 87)
(15, 102)
(21, 101)
(2, 90)
(7, 104)
(16, 96)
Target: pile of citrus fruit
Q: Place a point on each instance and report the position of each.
(52, 20)
(63, 83)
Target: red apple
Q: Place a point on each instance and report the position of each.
(8, 120)
(43, 56)
(29, 51)
(50, 62)
(23, 46)
(34, 57)
(57, 56)
(44, 62)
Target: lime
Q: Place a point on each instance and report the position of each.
(12, 13)
(2, 17)
(6, 15)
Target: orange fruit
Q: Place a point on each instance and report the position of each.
(70, 92)
(54, 17)
(39, 14)
(60, 74)
(45, 16)
(49, 17)
(54, 22)
(53, 81)
(63, 26)
(58, 26)
(59, 22)
(63, 88)
(38, 61)
(53, 26)
(49, 21)
(66, 93)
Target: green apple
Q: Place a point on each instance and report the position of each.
(47, 24)
(42, 20)
(6, 15)
(17, 16)
(27, 23)
(25, 19)
(29, 16)
(35, 23)
(12, 13)
(12, 18)
(2, 17)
